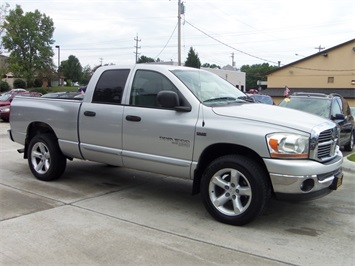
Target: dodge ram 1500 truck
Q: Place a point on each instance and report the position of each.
(186, 123)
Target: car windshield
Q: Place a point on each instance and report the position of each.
(5, 97)
(209, 88)
(262, 98)
(315, 106)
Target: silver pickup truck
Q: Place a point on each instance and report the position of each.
(186, 123)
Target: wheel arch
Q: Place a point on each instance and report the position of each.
(34, 129)
(217, 150)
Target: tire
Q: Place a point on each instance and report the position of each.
(350, 145)
(235, 190)
(45, 158)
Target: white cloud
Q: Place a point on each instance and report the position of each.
(274, 30)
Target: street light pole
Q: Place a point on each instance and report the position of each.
(179, 32)
(57, 46)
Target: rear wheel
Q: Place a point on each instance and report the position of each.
(235, 190)
(45, 158)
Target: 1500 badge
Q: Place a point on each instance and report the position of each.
(176, 141)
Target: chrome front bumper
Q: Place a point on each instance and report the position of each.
(304, 178)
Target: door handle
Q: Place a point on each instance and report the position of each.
(89, 113)
(133, 118)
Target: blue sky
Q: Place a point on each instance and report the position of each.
(255, 31)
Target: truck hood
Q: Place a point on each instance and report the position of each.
(272, 114)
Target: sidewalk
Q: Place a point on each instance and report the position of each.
(348, 165)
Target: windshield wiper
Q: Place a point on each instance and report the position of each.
(217, 99)
(247, 99)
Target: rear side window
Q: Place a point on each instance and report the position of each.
(109, 88)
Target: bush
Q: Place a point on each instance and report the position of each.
(4, 86)
(38, 83)
(19, 83)
(69, 82)
(41, 90)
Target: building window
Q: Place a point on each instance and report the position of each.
(330, 79)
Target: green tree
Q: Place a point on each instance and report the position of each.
(86, 75)
(145, 59)
(256, 72)
(71, 68)
(208, 65)
(3, 13)
(28, 37)
(192, 59)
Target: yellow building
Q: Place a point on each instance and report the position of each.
(329, 71)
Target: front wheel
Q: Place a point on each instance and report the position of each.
(350, 145)
(45, 158)
(235, 189)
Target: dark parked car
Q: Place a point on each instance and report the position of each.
(332, 106)
(82, 89)
(261, 98)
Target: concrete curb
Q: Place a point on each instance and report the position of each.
(348, 165)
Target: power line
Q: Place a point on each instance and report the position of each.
(167, 41)
(263, 59)
(225, 44)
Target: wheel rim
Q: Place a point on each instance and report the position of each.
(230, 192)
(40, 158)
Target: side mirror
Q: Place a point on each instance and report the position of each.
(338, 117)
(170, 99)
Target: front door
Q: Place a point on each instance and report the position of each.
(156, 139)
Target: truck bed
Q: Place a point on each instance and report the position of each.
(60, 114)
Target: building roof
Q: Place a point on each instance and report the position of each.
(278, 92)
(314, 55)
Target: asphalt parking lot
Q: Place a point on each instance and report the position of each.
(100, 215)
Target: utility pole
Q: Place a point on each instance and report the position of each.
(57, 46)
(233, 63)
(181, 11)
(137, 47)
(179, 32)
(320, 48)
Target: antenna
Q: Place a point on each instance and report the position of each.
(320, 48)
(233, 63)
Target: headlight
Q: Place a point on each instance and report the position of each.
(288, 145)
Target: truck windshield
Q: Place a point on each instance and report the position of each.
(209, 88)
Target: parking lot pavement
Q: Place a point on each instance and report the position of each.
(100, 215)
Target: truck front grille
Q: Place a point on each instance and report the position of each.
(324, 143)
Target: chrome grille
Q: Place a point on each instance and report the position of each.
(324, 143)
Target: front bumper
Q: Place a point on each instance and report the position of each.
(304, 179)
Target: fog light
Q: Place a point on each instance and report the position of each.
(307, 185)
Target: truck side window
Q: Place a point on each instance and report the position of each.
(146, 86)
(110, 86)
